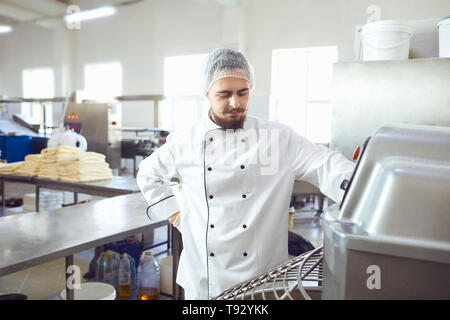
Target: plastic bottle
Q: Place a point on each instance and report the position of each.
(100, 268)
(115, 264)
(108, 273)
(133, 274)
(124, 276)
(148, 276)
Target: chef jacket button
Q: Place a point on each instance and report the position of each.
(244, 254)
(242, 140)
(211, 196)
(242, 167)
(212, 226)
(211, 254)
(211, 139)
(244, 196)
(244, 226)
(209, 168)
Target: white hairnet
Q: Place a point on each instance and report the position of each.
(227, 63)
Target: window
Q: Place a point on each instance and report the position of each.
(102, 81)
(37, 84)
(183, 90)
(301, 90)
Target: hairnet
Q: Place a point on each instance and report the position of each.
(227, 63)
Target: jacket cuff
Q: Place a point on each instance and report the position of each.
(163, 209)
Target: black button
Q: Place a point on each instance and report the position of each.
(244, 226)
(243, 140)
(209, 169)
(211, 254)
(244, 196)
(211, 139)
(242, 167)
(212, 226)
(211, 196)
(245, 254)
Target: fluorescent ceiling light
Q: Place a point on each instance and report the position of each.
(5, 29)
(91, 14)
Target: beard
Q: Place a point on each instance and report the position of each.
(234, 124)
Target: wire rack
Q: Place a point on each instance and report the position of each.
(298, 279)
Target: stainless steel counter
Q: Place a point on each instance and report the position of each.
(117, 185)
(30, 239)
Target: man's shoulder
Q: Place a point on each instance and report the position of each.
(186, 134)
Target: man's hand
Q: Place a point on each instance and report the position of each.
(173, 217)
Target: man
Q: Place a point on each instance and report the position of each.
(236, 175)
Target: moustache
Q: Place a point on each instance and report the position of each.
(238, 110)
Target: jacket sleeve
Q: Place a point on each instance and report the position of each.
(320, 166)
(153, 178)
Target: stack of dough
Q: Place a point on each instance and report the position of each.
(8, 168)
(81, 166)
(30, 167)
(48, 167)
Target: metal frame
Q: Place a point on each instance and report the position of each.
(288, 278)
(68, 251)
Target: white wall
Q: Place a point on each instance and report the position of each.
(307, 23)
(141, 35)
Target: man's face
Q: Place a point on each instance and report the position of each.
(229, 98)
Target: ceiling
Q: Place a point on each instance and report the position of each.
(44, 12)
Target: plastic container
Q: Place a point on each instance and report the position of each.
(166, 266)
(130, 246)
(15, 148)
(101, 268)
(133, 273)
(115, 265)
(148, 275)
(386, 40)
(124, 276)
(92, 291)
(444, 37)
(108, 270)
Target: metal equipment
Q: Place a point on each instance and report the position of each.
(389, 238)
(142, 146)
(298, 279)
(99, 123)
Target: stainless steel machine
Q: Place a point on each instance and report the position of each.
(100, 124)
(389, 238)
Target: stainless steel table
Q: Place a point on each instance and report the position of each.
(11, 178)
(34, 238)
(116, 186)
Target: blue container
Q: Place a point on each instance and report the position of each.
(37, 144)
(130, 246)
(15, 148)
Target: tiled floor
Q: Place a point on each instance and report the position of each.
(45, 281)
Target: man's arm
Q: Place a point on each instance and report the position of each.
(320, 166)
(153, 178)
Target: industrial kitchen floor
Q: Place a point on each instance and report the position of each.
(45, 281)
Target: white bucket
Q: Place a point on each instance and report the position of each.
(444, 37)
(92, 291)
(386, 40)
(166, 269)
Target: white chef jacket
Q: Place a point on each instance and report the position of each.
(235, 194)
